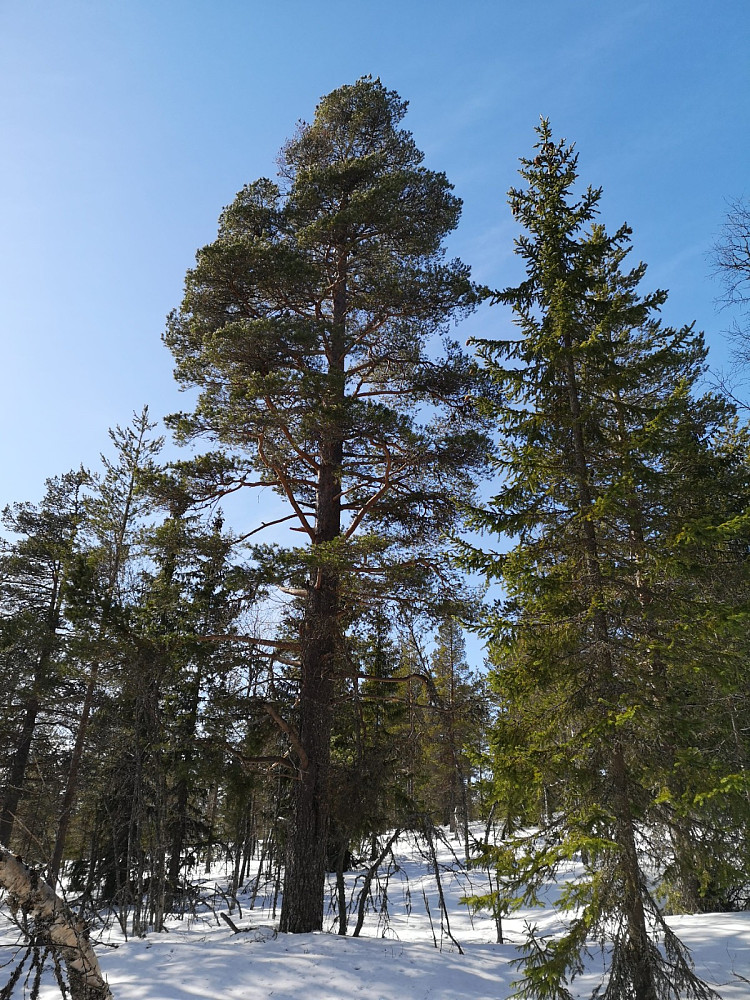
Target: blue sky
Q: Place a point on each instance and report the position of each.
(127, 126)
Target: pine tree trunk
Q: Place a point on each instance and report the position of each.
(341, 886)
(212, 809)
(179, 830)
(19, 761)
(465, 810)
(71, 785)
(159, 860)
(304, 877)
(180, 814)
(305, 874)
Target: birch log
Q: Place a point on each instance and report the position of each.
(57, 926)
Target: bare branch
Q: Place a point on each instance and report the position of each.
(287, 645)
(284, 726)
(266, 524)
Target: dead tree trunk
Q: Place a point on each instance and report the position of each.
(58, 927)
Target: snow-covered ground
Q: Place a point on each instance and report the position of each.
(396, 958)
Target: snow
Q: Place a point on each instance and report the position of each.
(395, 958)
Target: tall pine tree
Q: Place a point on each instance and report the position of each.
(306, 326)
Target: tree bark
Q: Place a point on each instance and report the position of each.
(305, 872)
(304, 877)
(341, 886)
(641, 966)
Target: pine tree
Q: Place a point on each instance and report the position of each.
(457, 714)
(34, 570)
(613, 491)
(306, 327)
(195, 594)
(98, 585)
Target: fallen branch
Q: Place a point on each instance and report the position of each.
(370, 875)
(55, 925)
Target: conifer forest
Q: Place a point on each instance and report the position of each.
(569, 488)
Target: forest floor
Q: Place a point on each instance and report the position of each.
(405, 951)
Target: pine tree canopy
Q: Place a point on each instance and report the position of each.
(307, 326)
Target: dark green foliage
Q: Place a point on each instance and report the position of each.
(35, 573)
(626, 499)
(99, 593)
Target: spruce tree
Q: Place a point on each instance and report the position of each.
(614, 493)
(307, 327)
